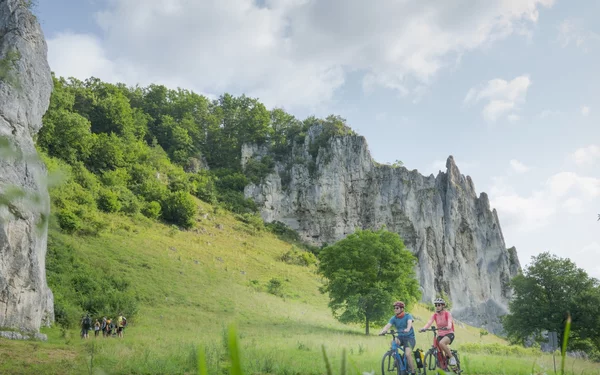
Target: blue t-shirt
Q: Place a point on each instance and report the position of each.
(401, 324)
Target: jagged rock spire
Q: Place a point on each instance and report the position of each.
(25, 300)
(452, 232)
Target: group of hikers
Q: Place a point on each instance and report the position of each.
(108, 327)
(403, 322)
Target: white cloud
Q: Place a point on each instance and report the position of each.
(524, 213)
(564, 182)
(585, 110)
(586, 155)
(549, 113)
(502, 97)
(81, 56)
(573, 206)
(518, 167)
(292, 52)
(572, 31)
(562, 191)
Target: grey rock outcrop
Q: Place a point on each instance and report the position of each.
(26, 302)
(453, 233)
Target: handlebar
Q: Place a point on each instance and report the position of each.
(390, 332)
(433, 329)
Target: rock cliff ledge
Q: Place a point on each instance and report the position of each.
(453, 233)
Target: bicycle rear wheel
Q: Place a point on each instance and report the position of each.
(456, 369)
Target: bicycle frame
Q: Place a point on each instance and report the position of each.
(438, 353)
(398, 353)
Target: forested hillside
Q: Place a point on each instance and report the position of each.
(147, 151)
(144, 149)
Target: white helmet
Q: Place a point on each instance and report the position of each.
(439, 300)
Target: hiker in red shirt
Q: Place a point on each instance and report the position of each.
(445, 326)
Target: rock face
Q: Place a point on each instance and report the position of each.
(26, 302)
(453, 233)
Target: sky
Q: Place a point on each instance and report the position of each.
(509, 88)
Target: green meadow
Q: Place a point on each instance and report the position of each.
(191, 286)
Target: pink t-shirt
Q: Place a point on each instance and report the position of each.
(441, 320)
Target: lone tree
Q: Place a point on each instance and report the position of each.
(548, 290)
(365, 273)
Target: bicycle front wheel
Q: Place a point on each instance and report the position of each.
(430, 361)
(389, 365)
(402, 365)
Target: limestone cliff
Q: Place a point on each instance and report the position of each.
(453, 233)
(26, 302)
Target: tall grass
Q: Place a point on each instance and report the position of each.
(564, 344)
(491, 362)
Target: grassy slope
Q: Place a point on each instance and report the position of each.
(193, 284)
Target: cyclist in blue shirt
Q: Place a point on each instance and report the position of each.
(403, 321)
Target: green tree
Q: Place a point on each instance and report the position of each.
(107, 152)
(66, 135)
(546, 291)
(284, 127)
(365, 273)
(235, 121)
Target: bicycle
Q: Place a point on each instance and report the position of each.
(435, 357)
(394, 361)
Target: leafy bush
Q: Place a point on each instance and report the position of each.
(92, 222)
(71, 193)
(68, 221)
(117, 177)
(179, 208)
(275, 287)
(497, 349)
(152, 210)
(230, 180)
(79, 288)
(256, 170)
(86, 179)
(235, 202)
(255, 221)
(204, 186)
(130, 204)
(299, 257)
(332, 126)
(282, 231)
(108, 201)
(66, 313)
(180, 182)
(151, 189)
(286, 178)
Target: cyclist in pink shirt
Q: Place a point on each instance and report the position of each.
(443, 321)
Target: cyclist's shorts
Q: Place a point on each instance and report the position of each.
(407, 342)
(450, 336)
